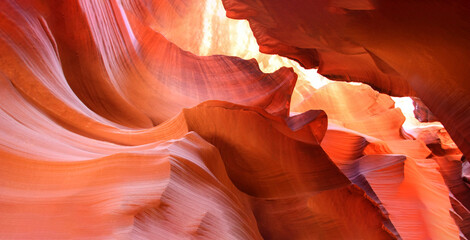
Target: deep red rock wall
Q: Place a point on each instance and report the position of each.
(400, 48)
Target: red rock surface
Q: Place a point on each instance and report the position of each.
(109, 130)
(422, 113)
(398, 47)
(366, 141)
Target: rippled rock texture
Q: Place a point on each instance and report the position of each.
(110, 130)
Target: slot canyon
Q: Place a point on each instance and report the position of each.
(234, 119)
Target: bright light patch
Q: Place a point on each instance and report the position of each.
(406, 106)
(241, 42)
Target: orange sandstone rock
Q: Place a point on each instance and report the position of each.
(399, 47)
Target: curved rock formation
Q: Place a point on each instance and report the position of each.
(138, 76)
(399, 48)
(105, 133)
(365, 139)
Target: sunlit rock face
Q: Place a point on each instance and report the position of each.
(160, 119)
(398, 47)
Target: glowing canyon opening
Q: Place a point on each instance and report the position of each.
(234, 119)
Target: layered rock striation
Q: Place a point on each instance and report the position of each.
(110, 130)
